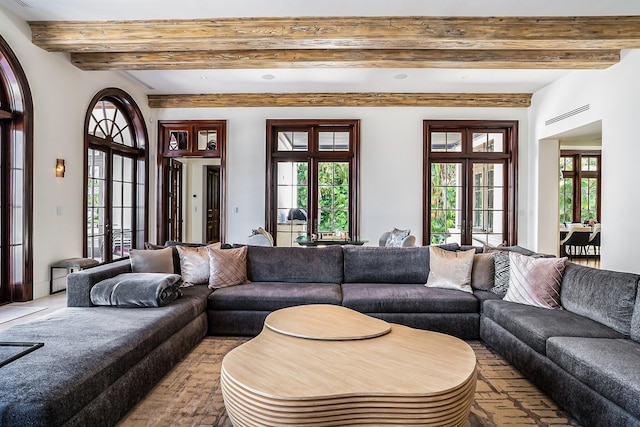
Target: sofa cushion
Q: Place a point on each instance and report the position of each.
(295, 265)
(194, 263)
(534, 325)
(269, 296)
(605, 296)
(406, 298)
(227, 267)
(535, 281)
(483, 272)
(501, 271)
(608, 366)
(152, 261)
(386, 265)
(450, 270)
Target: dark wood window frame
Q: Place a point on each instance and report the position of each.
(313, 153)
(509, 155)
(577, 174)
(139, 153)
(16, 125)
(165, 127)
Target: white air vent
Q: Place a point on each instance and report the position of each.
(567, 115)
(21, 3)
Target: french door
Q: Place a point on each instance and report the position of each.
(312, 174)
(110, 204)
(470, 171)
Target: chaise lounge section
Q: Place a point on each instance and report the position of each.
(96, 362)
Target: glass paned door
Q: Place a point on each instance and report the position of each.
(122, 205)
(488, 204)
(109, 219)
(333, 197)
(292, 201)
(470, 197)
(447, 208)
(96, 204)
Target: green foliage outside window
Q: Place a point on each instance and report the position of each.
(333, 194)
(443, 201)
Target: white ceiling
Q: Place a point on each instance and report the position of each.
(325, 80)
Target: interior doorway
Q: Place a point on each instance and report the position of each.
(557, 200)
(212, 216)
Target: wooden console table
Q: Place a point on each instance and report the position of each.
(324, 365)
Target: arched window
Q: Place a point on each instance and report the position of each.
(116, 170)
(16, 187)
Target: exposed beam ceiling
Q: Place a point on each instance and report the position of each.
(587, 42)
(347, 58)
(542, 33)
(358, 99)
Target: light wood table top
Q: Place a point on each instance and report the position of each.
(325, 322)
(402, 376)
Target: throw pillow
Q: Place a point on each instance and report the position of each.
(535, 281)
(483, 272)
(501, 278)
(174, 251)
(396, 237)
(450, 270)
(151, 261)
(194, 264)
(227, 267)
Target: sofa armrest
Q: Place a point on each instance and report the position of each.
(79, 284)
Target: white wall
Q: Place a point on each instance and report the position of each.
(61, 95)
(614, 98)
(391, 161)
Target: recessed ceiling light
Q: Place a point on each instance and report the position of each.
(400, 76)
(203, 77)
(268, 76)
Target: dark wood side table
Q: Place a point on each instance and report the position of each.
(69, 264)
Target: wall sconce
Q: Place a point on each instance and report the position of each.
(60, 168)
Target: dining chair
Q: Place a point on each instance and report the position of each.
(577, 240)
(594, 239)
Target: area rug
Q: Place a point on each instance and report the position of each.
(190, 394)
(9, 313)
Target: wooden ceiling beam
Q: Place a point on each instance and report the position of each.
(371, 99)
(542, 33)
(347, 58)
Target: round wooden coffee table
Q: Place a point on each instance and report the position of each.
(326, 365)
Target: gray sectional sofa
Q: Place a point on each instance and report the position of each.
(97, 362)
(586, 357)
(388, 283)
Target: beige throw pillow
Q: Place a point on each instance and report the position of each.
(151, 261)
(194, 264)
(227, 267)
(535, 281)
(450, 270)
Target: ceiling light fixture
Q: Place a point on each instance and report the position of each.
(400, 76)
(268, 76)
